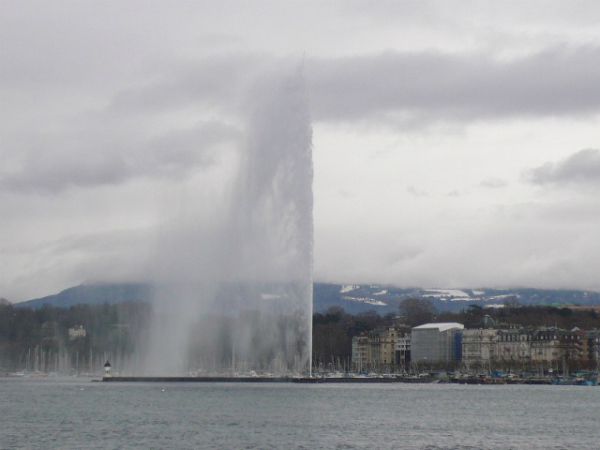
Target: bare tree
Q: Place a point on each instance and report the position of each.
(417, 311)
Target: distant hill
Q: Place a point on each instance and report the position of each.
(92, 294)
(353, 298)
(386, 299)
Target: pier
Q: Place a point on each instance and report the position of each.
(304, 380)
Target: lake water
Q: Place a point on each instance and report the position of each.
(76, 414)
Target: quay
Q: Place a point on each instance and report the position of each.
(197, 379)
(351, 380)
(304, 380)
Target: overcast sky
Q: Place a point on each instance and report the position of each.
(455, 142)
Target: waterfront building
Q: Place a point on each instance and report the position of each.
(403, 350)
(436, 343)
(366, 352)
(545, 346)
(513, 346)
(446, 344)
(527, 347)
(593, 348)
(479, 347)
(387, 347)
(533, 348)
(573, 346)
(382, 349)
(359, 352)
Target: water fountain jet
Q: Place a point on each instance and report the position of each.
(241, 297)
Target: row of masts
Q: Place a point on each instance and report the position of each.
(61, 361)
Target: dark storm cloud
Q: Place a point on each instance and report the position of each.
(582, 167)
(86, 158)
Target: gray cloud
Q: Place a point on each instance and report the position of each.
(214, 82)
(579, 12)
(111, 255)
(400, 87)
(582, 167)
(416, 192)
(493, 183)
(103, 156)
(107, 106)
(438, 86)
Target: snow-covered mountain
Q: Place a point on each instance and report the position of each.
(354, 298)
(386, 299)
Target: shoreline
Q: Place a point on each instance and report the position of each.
(330, 380)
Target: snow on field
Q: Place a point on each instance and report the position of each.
(503, 296)
(270, 296)
(439, 293)
(348, 288)
(366, 300)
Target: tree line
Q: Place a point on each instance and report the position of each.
(38, 339)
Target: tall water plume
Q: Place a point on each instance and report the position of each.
(234, 281)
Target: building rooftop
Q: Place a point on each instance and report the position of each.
(443, 326)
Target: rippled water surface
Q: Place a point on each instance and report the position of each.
(80, 414)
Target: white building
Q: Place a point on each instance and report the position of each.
(77, 332)
(436, 343)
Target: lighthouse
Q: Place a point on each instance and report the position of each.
(107, 368)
